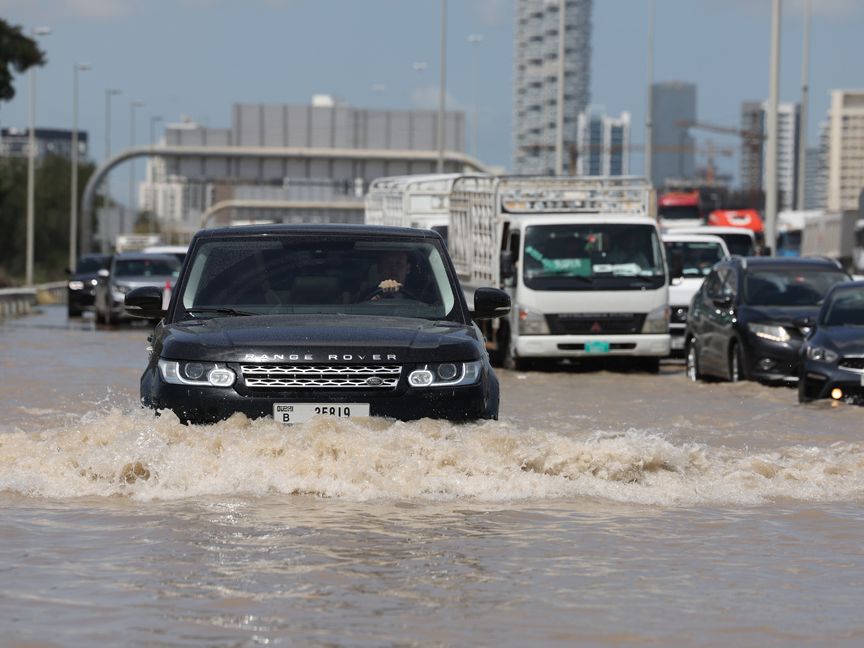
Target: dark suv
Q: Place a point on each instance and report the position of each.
(751, 315)
(295, 322)
(81, 287)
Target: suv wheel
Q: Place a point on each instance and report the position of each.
(692, 360)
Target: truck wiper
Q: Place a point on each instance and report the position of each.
(218, 311)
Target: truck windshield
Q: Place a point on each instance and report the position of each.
(595, 256)
(305, 275)
(697, 257)
(739, 244)
(679, 212)
(792, 287)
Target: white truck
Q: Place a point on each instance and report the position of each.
(581, 259)
(421, 201)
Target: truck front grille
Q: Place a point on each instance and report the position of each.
(595, 324)
(321, 376)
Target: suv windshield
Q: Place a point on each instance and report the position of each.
(790, 287)
(592, 256)
(697, 257)
(846, 308)
(304, 275)
(91, 264)
(157, 267)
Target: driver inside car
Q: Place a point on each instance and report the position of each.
(393, 269)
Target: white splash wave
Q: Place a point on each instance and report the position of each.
(135, 454)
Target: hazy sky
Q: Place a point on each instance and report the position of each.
(197, 57)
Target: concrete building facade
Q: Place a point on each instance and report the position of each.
(673, 103)
(845, 150)
(602, 144)
(536, 81)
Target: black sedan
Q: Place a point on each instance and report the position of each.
(81, 287)
(751, 315)
(832, 358)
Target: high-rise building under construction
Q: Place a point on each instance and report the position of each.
(536, 83)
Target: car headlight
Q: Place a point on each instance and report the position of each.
(446, 374)
(657, 321)
(532, 322)
(820, 354)
(208, 374)
(771, 332)
(679, 315)
(76, 285)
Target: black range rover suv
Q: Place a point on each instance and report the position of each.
(297, 321)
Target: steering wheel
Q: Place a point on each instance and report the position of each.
(378, 294)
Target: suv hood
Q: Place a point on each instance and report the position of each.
(319, 338)
(846, 340)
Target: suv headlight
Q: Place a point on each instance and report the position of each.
(208, 374)
(76, 285)
(657, 321)
(770, 332)
(532, 322)
(821, 355)
(446, 374)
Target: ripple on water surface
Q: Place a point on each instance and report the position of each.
(135, 454)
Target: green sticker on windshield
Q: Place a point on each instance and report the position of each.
(564, 267)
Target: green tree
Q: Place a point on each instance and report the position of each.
(18, 53)
(51, 233)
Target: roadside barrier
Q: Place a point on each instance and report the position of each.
(15, 302)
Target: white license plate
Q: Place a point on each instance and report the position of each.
(302, 412)
(677, 343)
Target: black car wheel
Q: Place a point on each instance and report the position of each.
(71, 311)
(692, 360)
(737, 363)
(803, 396)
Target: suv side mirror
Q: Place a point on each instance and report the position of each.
(489, 303)
(144, 302)
(508, 267)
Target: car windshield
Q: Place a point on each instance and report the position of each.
(697, 257)
(592, 256)
(679, 212)
(90, 265)
(790, 287)
(156, 267)
(846, 308)
(739, 244)
(306, 275)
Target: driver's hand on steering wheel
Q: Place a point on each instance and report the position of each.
(386, 288)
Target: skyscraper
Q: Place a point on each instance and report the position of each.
(672, 104)
(536, 82)
(753, 120)
(845, 160)
(602, 144)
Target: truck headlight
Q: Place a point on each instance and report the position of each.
(532, 322)
(209, 374)
(822, 355)
(446, 374)
(657, 321)
(770, 332)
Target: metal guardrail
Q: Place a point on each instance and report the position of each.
(15, 302)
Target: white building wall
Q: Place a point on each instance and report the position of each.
(845, 159)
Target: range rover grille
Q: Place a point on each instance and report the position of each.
(321, 376)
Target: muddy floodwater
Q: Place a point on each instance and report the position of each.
(606, 507)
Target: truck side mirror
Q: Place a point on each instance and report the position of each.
(508, 267)
(489, 303)
(144, 302)
(676, 266)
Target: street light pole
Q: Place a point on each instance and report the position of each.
(559, 117)
(442, 90)
(771, 144)
(133, 105)
(151, 221)
(805, 92)
(475, 40)
(649, 113)
(73, 202)
(31, 166)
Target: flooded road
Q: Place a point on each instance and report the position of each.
(605, 508)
